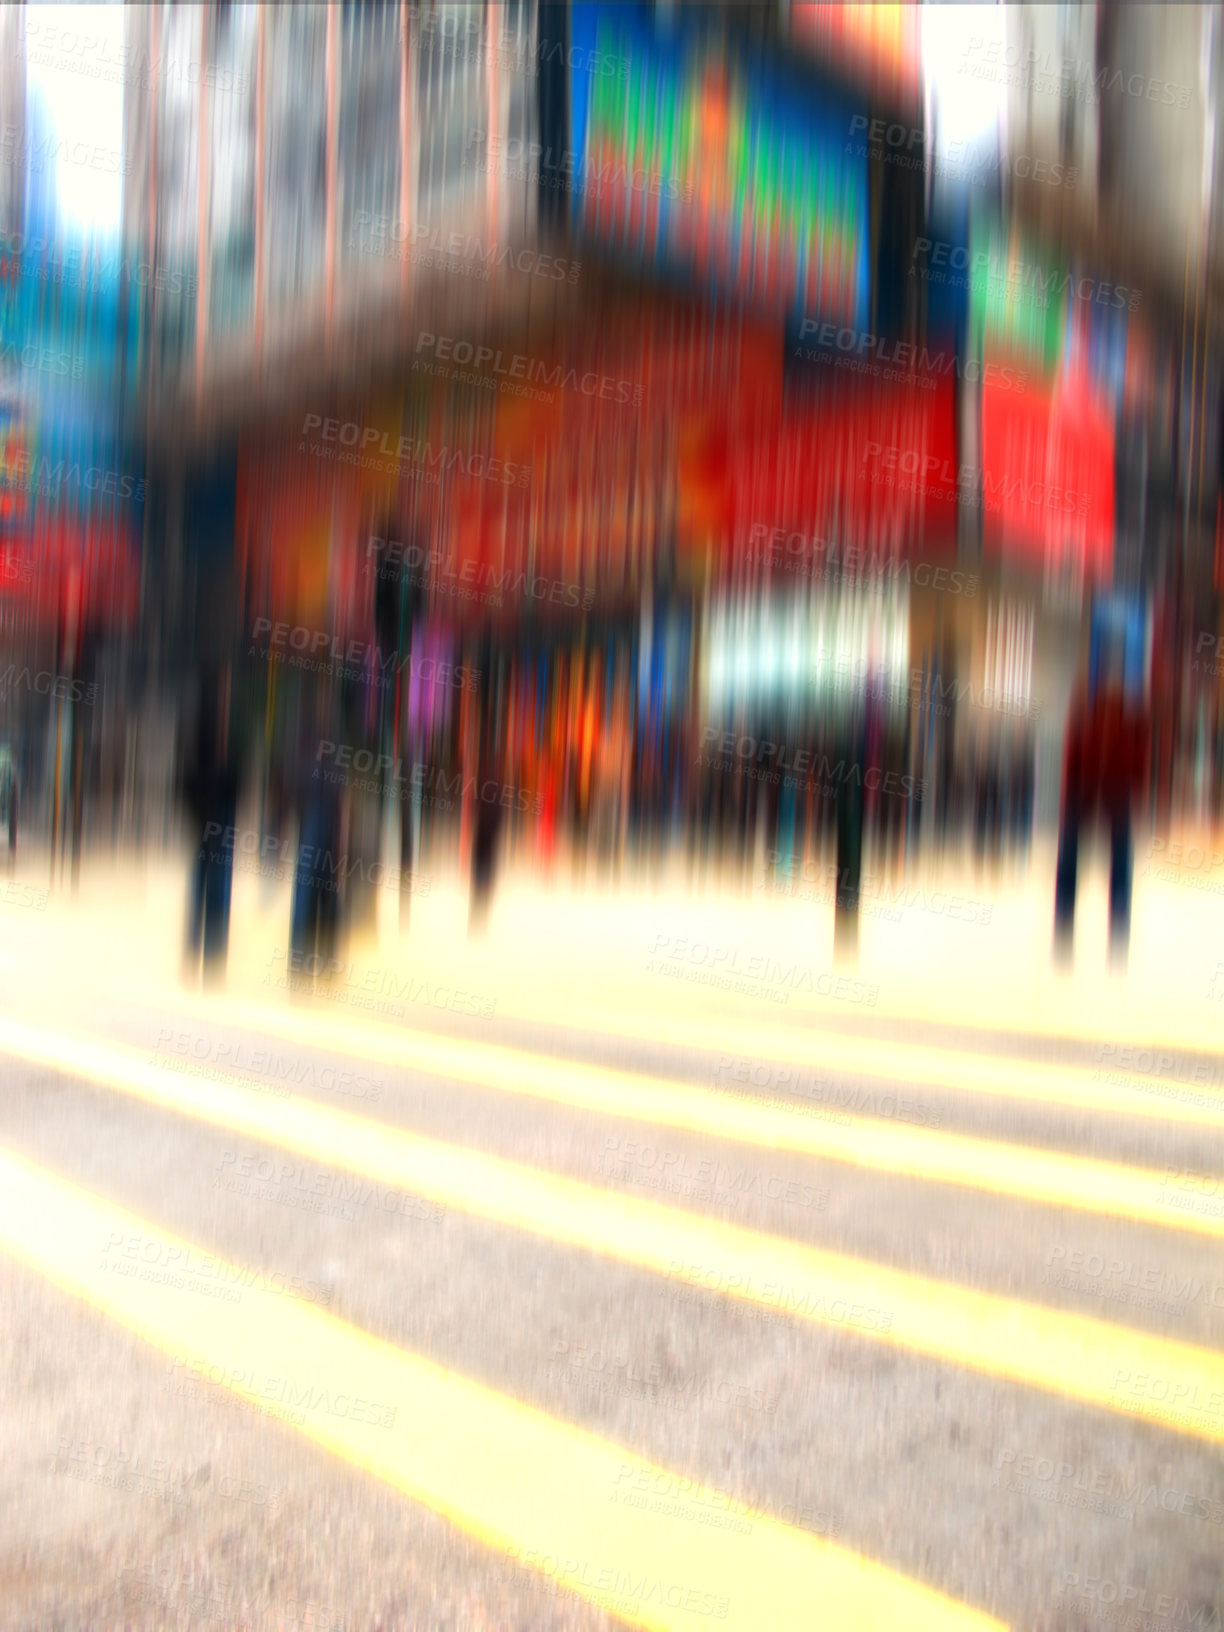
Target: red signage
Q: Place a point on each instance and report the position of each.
(861, 469)
(1048, 474)
(84, 570)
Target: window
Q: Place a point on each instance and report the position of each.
(370, 159)
(452, 109)
(295, 151)
(231, 171)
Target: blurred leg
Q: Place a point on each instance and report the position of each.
(849, 868)
(195, 902)
(1121, 867)
(1064, 884)
(405, 860)
(327, 910)
(199, 886)
(300, 922)
(482, 865)
(216, 911)
(217, 893)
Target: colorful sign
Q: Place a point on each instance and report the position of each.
(15, 464)
(718, 169)
(1048, 475)
(1017, 299)
(881, 43)
(869, 467)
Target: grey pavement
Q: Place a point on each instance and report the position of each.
(137, 1498)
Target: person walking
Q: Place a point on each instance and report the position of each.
(13, 792)
(1105, 770)
(315, 917)
(852, 740)
(211, 795)
(489, 810)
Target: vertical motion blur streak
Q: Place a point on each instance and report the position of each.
(612, 775)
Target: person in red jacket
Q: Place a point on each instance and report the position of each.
(1105, 770)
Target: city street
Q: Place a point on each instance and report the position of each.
(534, 1283)
(611, 817)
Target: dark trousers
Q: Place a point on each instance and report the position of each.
(316, 908)
(849, 865)
(405, 881)
(484, 849)
(211, 883)
(1121, 864)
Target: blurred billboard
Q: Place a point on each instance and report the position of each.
(713, 169)
(880, 45)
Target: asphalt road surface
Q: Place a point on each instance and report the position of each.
(314, 1319)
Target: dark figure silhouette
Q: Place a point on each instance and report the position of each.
(1105, 768)
(315, 920)
(489, 810)
(211, 795)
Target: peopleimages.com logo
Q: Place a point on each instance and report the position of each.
(735, 750)
(68, 264)
(940, 477)
(517, 160)
(17, 150)
(895, 144)
(370, 445)
(42, 361)
(1054, 73)
(467, 39)
(361, 768)
(829, 559)
(40, 476)
(473, 580)
(1042, 281)
(528, 370)
(428, 246)
(364, 659)
(907, 360)
(62, 686)
(51, 44)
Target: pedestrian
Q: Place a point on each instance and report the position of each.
(1105, 769)
(12, 816)
(488, 814)
(852, 764)
(315, 918)
(211, 795)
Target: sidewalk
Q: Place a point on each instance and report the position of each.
(942, 947)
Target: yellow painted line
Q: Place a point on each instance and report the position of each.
(1020, 1172)
(983, 1075)
(1079, 1088)
(1147, 1097)
(1064, 1354)
(550, 1495)
(1089, 1008)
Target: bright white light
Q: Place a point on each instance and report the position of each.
(963, 50)
(86, 113)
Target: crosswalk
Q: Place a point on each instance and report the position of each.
(561, 1484)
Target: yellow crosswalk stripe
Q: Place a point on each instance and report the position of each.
(1174, 1384)
(1082, 1184)
(1076, 1088)
(1098, 1089)
(651, 1547)
(1175, 1090)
